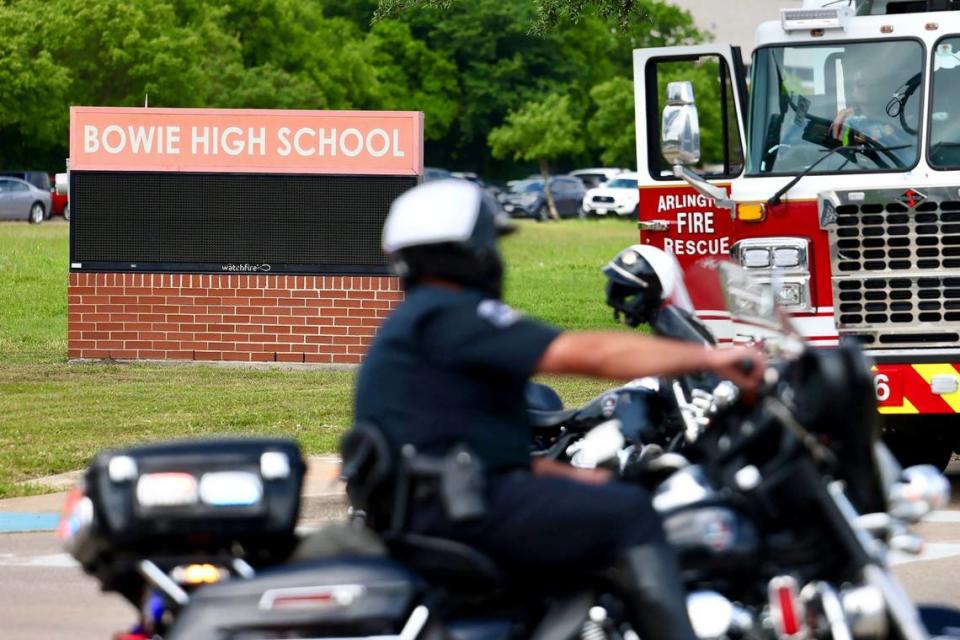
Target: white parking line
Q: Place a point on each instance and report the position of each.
(952, 517)
(931, 551)
(53, 560)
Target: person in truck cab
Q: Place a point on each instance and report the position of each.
(449, 368)
(871, 116)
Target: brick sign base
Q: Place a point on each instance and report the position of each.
(248, 318)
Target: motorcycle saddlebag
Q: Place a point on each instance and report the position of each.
(346, 596)
(194, 497)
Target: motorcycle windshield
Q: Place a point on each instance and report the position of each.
(750, 305)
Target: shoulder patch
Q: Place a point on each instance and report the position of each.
(497, 313)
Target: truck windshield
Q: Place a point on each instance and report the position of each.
(810, 99)
(945, 106)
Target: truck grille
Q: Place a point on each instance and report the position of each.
(895, 256)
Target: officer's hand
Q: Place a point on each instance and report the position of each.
(744, 366)
(836, 127)
(551, 467)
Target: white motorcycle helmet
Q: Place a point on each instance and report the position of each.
(639, 279)
(447, 230)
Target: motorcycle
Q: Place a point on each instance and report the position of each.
(783, 511)
(644, 286)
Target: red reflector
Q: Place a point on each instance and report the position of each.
(788, 610)
(303, 602)
(342, 595)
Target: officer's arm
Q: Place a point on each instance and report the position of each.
(625, 356)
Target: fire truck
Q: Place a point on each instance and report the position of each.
(830, 168)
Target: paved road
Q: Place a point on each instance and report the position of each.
(44, 595)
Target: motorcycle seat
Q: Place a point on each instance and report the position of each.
(449, 562)
(550, 419)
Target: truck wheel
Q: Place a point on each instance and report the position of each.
(66, 211)
(922, 439)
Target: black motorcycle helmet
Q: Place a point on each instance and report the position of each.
(448, 230)
(634, 289)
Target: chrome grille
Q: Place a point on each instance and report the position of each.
(892, 237)
(895, 259)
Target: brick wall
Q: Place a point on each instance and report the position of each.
(259, 318)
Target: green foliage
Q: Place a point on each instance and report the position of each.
(551, 13)
(544, 130)
(507, 58)
(467, 65)
(613, 127)
(412, 77)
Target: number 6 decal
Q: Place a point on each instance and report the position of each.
(882, 383)
(888, 385)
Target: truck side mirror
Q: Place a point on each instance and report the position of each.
(680, 143)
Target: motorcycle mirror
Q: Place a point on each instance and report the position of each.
(601, 444)
(920, 490)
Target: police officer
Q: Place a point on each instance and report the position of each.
(450, 367)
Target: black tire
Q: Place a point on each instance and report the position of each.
(541, 214)
(37, 213)
(922, 439)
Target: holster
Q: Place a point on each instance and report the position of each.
(458, 479)
(463, 485)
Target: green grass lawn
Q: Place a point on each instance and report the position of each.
(54, 415)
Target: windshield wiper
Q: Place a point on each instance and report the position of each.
(861, 148)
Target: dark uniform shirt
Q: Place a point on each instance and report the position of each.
(451, 367)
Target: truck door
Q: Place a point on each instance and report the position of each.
(672, 215)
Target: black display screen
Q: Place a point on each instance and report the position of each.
(229, 223)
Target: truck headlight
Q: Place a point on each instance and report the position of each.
(782, 262)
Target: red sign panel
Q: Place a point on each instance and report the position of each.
(247, 141)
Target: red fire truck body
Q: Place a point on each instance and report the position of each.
(835, 177)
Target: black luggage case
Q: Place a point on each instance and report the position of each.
(192, 498)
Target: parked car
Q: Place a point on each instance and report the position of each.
(595, 177)
(528, 200)
(619, 196)
(39, 179)
(20, 200)
(59, 202)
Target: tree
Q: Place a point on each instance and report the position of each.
(467, 65)
(551, 13)
(613, 127)
(183, 53)
(503, 63)
(411, 76)
(541, 131)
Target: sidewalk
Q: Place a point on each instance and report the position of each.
(322, 497)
